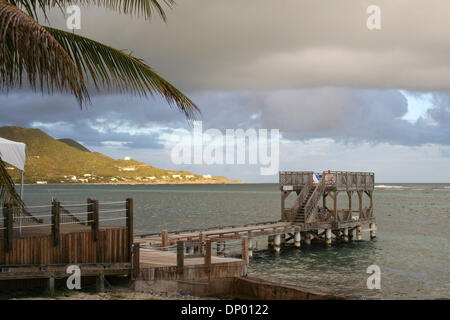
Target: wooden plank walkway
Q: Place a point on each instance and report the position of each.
(155, 258)
(256, 230)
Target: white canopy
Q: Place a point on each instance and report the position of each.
(13, 153)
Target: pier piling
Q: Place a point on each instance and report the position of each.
(297, 239)
(277, 243)
(307, 239)
(345, 234)
(358, 233)
(270, 242)
(373, 232)
(328, 237)
(250, 248)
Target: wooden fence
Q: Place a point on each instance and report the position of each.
(67, 239)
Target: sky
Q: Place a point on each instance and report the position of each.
(343, 97)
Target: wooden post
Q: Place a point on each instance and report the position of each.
(100, 282)
(349, 194)
(308, 239)
(55, 222)
(250, 247)
(373, 232)
(207, 258)
(180, 254)
(90, 211)
(334, 197)
(164, 240)
(201, 237)
(360, 203)
(130, 232)
(51, 285)
(345, 234)
(284, 195)
(350, 234)
(358, 233)
(297, 239)
(245, 255)
(8, 224)
(277, 243)
(270, 241)
(136, 260)
(328, 237)
(95, 219)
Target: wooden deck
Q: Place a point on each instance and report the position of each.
(155, 258)
(166, 238)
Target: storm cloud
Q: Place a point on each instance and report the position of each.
(309, 68)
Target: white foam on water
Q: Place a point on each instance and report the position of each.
(389, 187)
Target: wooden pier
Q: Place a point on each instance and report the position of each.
(42, 241)
(309, 217)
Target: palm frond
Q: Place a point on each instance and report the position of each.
(145, 8)
(114, 69)
(7, 189)
(26, 48)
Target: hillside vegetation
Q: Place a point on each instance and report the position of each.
(67, 161)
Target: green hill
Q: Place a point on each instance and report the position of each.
(56, 161)
(74, 144)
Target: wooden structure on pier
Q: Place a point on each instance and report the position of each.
(43, 245)
(310, 209)
(309, 217)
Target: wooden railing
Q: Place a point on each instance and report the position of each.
(349, 180)
(205, 249)
(340, 179)
(55, 223)
(295, 178)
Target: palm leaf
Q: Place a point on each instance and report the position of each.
(146, 8)
(7, 189)
(114, 69)
(26, 48)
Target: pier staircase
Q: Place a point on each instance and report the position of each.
(300, 214)
(308, 201)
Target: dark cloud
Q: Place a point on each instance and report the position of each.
(272, 45)
(137, 123)
(345, 115)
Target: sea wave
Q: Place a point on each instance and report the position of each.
(382, 186)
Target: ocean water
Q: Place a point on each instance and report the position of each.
(412, 246)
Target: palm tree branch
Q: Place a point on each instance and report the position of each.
(7, 188)
(28, 49)
(115, 69)
(145, 8)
